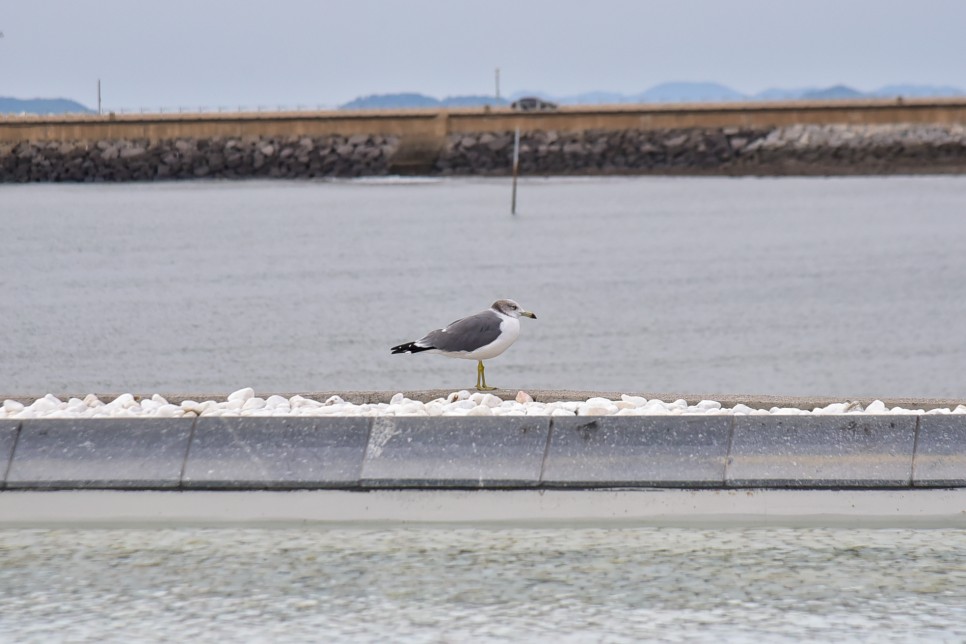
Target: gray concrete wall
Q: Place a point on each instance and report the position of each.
(437, 124)
(285, 453)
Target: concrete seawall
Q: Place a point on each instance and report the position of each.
(860, 452)
(430, 123)
(840, 137)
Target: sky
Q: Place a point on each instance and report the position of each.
(249, 53)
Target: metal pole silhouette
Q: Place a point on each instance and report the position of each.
(516, 171)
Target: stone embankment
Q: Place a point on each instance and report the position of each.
(229, 158)
(801, 149)
(792, 150)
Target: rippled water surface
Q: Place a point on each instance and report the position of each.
(845, 286)
(477, 584)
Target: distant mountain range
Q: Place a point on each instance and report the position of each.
(41, 106)
(390, 101)
(663, 93)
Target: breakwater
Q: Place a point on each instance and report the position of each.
(786, 150)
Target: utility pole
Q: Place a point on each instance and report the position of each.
(497, 83)
(99, 96)
(516, 171)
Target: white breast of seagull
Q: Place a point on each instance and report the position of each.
(509, 332)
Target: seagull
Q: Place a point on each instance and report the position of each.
(478, 337)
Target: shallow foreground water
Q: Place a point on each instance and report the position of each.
(842, 287)
(478, 584)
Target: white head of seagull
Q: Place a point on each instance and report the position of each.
(511, 308)
(479, 337)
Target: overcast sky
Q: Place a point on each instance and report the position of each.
(213, 53)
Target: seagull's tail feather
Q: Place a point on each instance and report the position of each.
(409, 347)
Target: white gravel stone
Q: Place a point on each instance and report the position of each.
(876, 407)
(459, 403)
(637, 401)
(192, 406)
(597, 407)
(242, 394)
(46, 404)
(489, 400)
(707, 405)
(12, 406)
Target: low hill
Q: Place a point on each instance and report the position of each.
(414, 100)
(689, 93)
(41, 106)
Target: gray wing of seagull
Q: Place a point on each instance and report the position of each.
(467, 334)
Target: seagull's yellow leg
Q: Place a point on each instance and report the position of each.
(481, 379)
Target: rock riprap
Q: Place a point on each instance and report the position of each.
(244, 402)
(226, 158)
(797, 149)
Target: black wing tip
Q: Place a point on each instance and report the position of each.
(409, 347)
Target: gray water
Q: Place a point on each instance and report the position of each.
(475, 584)
(843, 286)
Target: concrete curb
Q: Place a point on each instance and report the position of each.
(523, 452)
(906, 508)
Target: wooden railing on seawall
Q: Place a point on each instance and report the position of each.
(433, 124)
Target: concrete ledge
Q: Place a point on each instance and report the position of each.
(940, 459)
(456, 452)
(9, 430)
(643, 451)
(703, 508)
(822, 451)
(99, 454)
(352, 453)
(239, 453)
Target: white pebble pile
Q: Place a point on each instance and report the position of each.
(244, 402)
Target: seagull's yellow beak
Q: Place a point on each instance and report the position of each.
(528, 314)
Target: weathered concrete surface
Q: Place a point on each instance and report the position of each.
(940, 459)
(896, 508)
(457, 452)
(9, 431)
(822, 451)
(276, 453)
(238, 453)
(755, 401)
(99, 454)
(637, 451)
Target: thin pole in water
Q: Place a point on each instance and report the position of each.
(516, 170)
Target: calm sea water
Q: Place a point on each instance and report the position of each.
(845, 286)
(475, 584)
